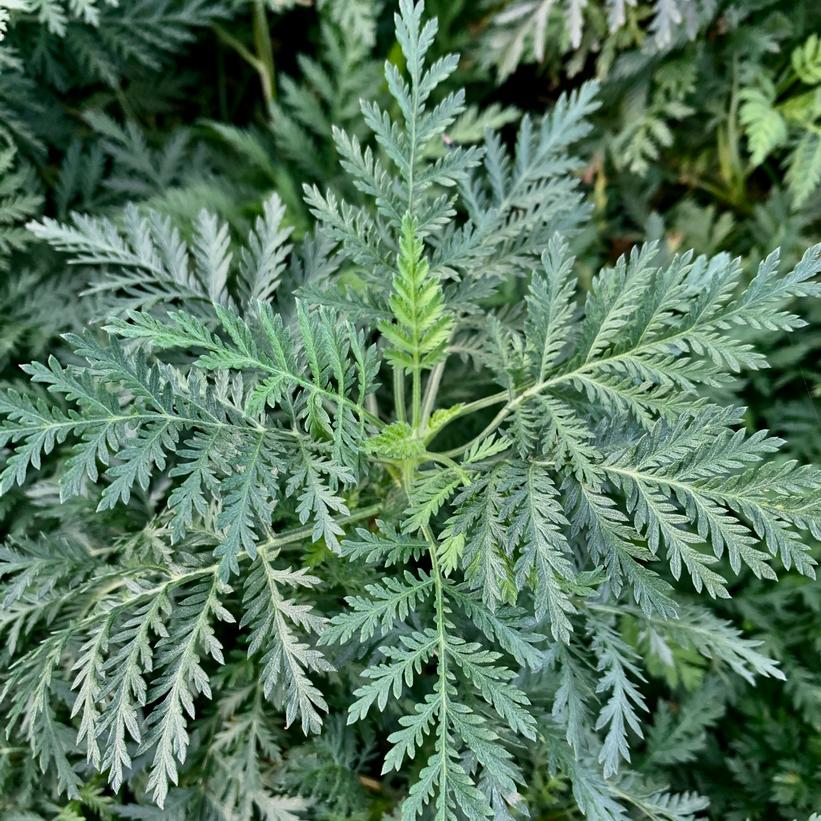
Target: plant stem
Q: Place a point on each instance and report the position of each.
(442, 653)
(371, 405)
(444, 459)
(263, 61)
(484, 402)
(416, 397)
(297, 534)
(399, 393)
(489, 428)
(265, 54)
(431, 391)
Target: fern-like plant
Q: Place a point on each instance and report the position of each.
(527, 31)
(415, 408)
(773, 119)
(19, 200)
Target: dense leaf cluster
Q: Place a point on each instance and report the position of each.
(343, 481)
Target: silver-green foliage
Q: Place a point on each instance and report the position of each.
(19, 200)
(600, 481)
(524, 31)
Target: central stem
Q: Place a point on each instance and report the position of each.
(442, 652)
(408, 471)
(416, 398)
(399, 393)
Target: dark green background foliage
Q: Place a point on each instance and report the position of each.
(392, 434)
